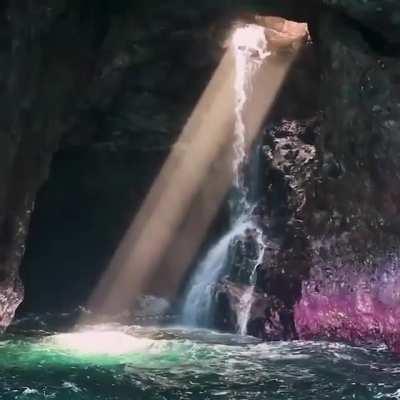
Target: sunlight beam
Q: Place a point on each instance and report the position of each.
(167, 231)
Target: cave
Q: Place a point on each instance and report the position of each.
(108, 160)
(199, 201)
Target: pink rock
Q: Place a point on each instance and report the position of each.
(350, 306)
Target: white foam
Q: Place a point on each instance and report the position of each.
(71, 386)
(30, 391)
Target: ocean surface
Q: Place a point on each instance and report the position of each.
(133, 363)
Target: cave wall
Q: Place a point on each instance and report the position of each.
(352, 216)
(46, 56)
(331, 266)
(332, 182)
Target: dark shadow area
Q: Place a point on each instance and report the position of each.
(81, 214)
(153, 68)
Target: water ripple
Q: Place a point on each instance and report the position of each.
(182, 364)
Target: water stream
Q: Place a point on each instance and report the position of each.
(246, 301)
(250, 50)
(197, 310)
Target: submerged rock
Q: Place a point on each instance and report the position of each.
(151, 307)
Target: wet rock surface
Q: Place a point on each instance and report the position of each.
(332, 203)
(291, 168)
(352, 219)
(269, 319)
(350, 301)
(42, 69)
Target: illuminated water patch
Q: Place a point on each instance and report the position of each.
(89, 342)
(189, 364)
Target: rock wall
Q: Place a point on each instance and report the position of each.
(46, 55)
(332, 186)
(331, 265)
(353, 221)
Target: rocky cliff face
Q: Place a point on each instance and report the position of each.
(332, 186)
(354, 210)
(331, 264)
(46, 55)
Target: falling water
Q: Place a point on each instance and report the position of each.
(246, 301)
(249, 46)
(250, 49)
(198, 303)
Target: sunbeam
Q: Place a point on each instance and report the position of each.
(175, 216)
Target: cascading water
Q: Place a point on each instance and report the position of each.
(246, 301)
(250, 49)
(198, 303)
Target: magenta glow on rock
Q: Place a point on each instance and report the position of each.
(357, 304)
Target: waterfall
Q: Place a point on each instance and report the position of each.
(249, 46)
(250, 49)
(198, 303)
(246, 301)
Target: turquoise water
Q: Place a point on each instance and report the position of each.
(120, 362)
